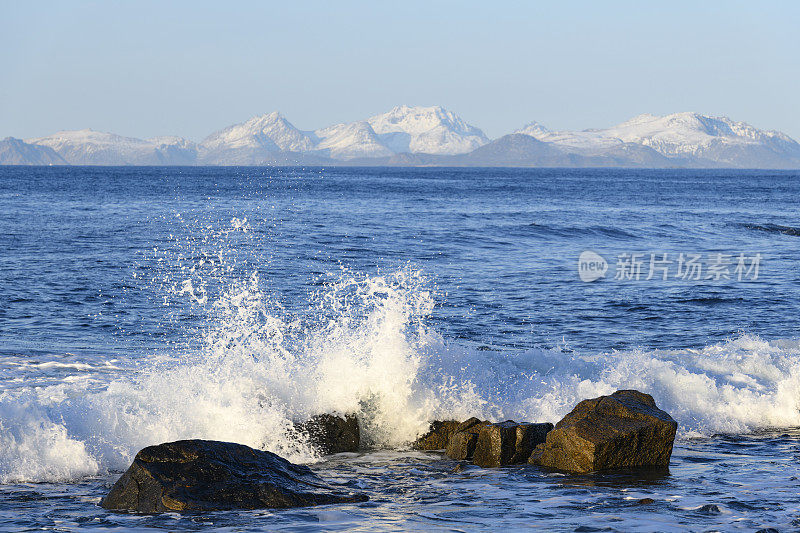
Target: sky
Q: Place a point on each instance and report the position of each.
(145, 68)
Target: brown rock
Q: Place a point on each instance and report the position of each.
(528, 437)
(461, 445)
(508, 443)
(496, 444)
(203, 475)
(469, 424)
(332, 434)
(623, 430)
(438, 435)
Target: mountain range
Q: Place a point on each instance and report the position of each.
(428, 136)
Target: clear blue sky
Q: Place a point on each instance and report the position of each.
(145, 68)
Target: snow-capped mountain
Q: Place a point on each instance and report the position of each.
(254, 141)
(690, 133)
(18, 152)
(89, 147)
(426, 130)
(700, 140)
(351, 141)
(534, 129)
(587, 141)
(271, 131)
(413, 136)
(522, 150)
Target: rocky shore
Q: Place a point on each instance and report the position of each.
(203, 475)
(624, 430)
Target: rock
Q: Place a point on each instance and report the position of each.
(204, 475)
(461, 445)
(332, 434)
(623, 430)
(528, 437)
(508, 443)
(709, 509)
(496, 444)
(645, 501)
(438, 435)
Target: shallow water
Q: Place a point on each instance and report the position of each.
(722, 483)
(150, 304)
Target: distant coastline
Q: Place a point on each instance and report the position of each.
(428, 137)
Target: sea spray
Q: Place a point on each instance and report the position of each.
(365, 346)
(259, 371)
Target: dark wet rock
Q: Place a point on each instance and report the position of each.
(508, 443)
(470, 423)
(623, 430)
(438, 435)
(645, 501)
(528, 437)
(462, 443)
(709, 509)
(331, 433)
(203, 475)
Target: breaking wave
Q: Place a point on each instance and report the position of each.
(369, 350)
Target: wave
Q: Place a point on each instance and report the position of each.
(567, 232)
(774, 228)
(368, 350)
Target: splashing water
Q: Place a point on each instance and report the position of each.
(142, 305)
(369, 351)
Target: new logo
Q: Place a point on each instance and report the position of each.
(591, 266)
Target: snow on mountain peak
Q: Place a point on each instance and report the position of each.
(97, 140)
(585, 142)
(18, 152)
(430, 130)
(680, 139)
(687, 134)
(92, 147)
(534, 129)
(265, 132)
(352, 140)
(172, 140)
(416, 120)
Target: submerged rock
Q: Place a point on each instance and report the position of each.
(203, 475)
(438, 435)
(623, 430)
(508, 443)
(461, 445)
(709, 509)
(332, 434)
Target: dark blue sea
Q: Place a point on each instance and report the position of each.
(143, 305)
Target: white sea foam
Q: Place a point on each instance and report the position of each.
(368, 350)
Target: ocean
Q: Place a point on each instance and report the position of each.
(147, 304)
